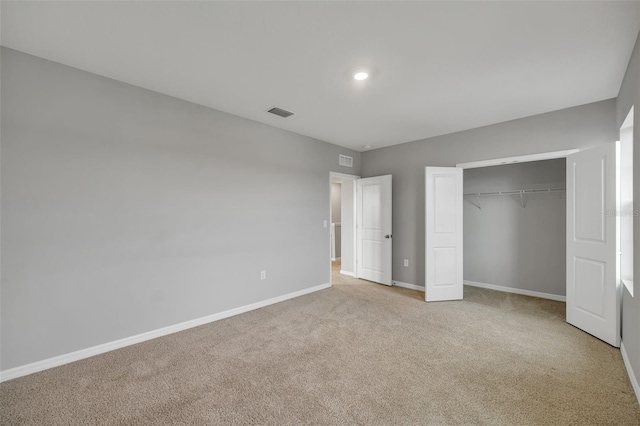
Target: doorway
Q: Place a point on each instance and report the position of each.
(515, 228)
(342, 214)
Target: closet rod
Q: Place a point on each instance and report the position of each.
(520, 192)
(517, 192)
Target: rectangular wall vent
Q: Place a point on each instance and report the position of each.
(345, 160)
(280, 112)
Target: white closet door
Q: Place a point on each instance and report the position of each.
(593, 277)
(373, 221)
(443, 250)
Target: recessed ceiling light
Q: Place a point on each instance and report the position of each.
(361, 75)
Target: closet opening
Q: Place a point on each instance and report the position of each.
(524, 234)
(515, 228)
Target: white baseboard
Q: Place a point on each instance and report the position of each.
(492, 287)
(556, 297)
(56, 361)
(632, 376)
(351, 274)
(409, 286)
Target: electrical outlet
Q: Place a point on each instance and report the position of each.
(406, 262)
(324, 223)
(263, 275)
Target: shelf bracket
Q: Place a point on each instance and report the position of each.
(522, 200)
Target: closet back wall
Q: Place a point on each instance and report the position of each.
(511, 246)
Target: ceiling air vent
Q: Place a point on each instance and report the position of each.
(280, 112)
(345, 160)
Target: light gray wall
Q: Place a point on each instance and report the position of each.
(630, 95)
(511, 246)
(124, 210)
(579, 127)
(336, 201)
(347, 218)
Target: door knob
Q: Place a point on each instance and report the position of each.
(388, 236)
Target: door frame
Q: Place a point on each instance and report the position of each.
(519, 159)
(541, 156)
(352, 178)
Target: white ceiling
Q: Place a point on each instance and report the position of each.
(436, 67)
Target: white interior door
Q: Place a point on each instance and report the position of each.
(443, 251)
(593, 277)
(373, 221)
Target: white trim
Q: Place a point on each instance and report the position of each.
(333, 259)
(628, 121)
(518, 159)
(632, 377)
(409, 286)
(343, 175)
(56, 361)
(556, 297)
(351, 274)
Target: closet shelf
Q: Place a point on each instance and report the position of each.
(520, 192)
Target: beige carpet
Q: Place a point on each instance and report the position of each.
(358, 353)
